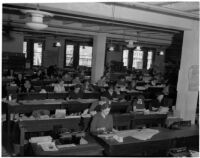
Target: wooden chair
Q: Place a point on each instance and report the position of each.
(121, 121)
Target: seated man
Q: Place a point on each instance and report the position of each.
(102, 122)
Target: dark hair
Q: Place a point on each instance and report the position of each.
(140, 97)
(159, 93)
(105, 106)
(78, 86)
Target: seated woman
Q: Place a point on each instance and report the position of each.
(76, 93)
(19, 81)
(110, 93)
(119, 95)
(102, 122)
(102, 81)
(87, 87)
(67, 78)
(121, 82)
(76, 80)
(27, 87)
(59, 87)
(132, 85)
(138, 104)
(159, 101)
(39, 75)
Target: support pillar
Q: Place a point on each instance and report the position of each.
(186, 103)
(98, 56)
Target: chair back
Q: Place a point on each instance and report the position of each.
(121, 121)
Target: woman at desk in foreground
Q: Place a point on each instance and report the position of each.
(102, 121)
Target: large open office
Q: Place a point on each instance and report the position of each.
(100, 79)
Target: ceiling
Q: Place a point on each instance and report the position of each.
(186, 7)
(80, 27)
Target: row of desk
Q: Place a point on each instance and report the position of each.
(46, 125)
(158, 145)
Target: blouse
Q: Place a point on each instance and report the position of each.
(99, 121)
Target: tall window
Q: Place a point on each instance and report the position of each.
(138, 59)
(149, 59)
(69, 55)
(37, 54)
(125, 57)
(85, 56)
(25, 48)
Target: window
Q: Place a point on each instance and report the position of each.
(37, 56)
(149, 59)
(69, 55)
(138, 59)
(125, 57)
(25, 48)
(85, 56)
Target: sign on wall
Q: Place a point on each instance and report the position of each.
(193, 77)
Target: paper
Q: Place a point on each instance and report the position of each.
(60, 113)
(66, 146)
(48, 146)
(142, 134)
(40, 139)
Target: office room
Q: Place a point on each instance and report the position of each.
(104, 78)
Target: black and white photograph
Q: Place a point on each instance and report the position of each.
(100, 78)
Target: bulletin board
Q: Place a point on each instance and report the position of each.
(193, 77)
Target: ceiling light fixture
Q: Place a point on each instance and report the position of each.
(37, 16)
(57, 43)
(138, 48)
(161, 52)
(130, 43)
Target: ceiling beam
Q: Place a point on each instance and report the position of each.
(193, 10)
(157, 9)
(165, 3)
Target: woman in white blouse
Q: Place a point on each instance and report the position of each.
(59, 87)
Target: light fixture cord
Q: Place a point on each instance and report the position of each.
(113, 17)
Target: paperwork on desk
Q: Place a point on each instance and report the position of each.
(40, 139)
(48, 146)
(141, 134)
(45, 142)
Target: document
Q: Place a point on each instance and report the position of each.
(141, 134)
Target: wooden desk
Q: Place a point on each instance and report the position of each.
(14, 107)
(163, 141)
(45, 125)
(90, 149)
(147, 119)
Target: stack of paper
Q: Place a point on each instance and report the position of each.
(40, 139)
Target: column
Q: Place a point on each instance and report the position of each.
(98, 56)
(76, 55)
(145, 55)
(61, 53)
(130, 59)
(186, 93)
